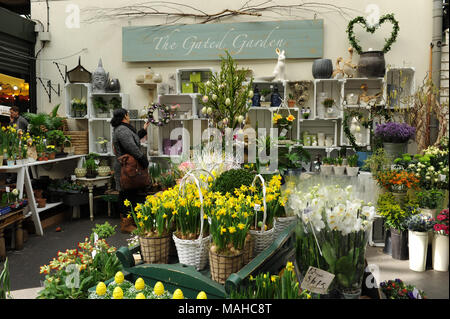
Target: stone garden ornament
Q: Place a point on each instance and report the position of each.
(99, 79)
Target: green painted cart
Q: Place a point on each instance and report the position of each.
(191, 281)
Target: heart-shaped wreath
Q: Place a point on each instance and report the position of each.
(164, 114)
(361, 20)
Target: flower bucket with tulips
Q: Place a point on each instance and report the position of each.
(153, 219)
(191, 237)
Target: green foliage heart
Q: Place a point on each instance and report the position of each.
(361, 20)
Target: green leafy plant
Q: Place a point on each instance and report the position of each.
(5, 285)
(430, 199)
(391, 210)
(377, 162)
(115, 103)
(403, 161)
(232, 179)
(227, 94)
(352, 160)
(41, 123)
(328, 161)
(100, 104)
(103, 231)
(56, 137)
(295, 156)
(339, 161)
(267, 286)
(328, 102)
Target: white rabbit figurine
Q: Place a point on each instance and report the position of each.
(280, 68)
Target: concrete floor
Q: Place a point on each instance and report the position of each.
(26, 280)
(435, 284)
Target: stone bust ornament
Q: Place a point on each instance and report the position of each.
(99, 79)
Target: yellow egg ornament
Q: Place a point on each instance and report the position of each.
(119, 278)
(178, 294)
(118, 293)
(101, 289)
(201, 295)
(139, 284)
(140, 296)
(158, 289)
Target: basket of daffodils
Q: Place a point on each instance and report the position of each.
(121, 288)
(153, 220)
(191, 237)
(283, 216)
(230, 218)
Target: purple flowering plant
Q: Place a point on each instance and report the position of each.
(394, 132)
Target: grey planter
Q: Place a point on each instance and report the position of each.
(322, 69)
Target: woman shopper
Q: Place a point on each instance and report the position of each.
(127, 141)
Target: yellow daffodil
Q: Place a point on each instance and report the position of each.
(241, 226)
(232, 229)
(127, 203)
(289, 266)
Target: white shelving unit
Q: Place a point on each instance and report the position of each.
(183, 76)
(76, 91)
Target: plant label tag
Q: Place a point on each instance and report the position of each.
(283, 132)
(7, 189)
(73, 178)
(317, 280)
(442, 177)
(257, 207)
(307, 211)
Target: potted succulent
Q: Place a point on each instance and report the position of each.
(394, 137)
(418, 228)
(291, 101)
(352, 165)
(440, 248)
(429, 200)
(327, 166)
(339, 168)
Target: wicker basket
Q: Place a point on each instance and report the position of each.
(223, 266)
(155, 250)
(80, 141)
(263, 238)
(281, 223)
(249, 248)
(193, 252)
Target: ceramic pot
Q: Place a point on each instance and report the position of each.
(10, 162)
(91, 173)
(339, 170)
(352, 171)
(104, 170)
(291, 103)
(41, 202)
(326, 170)
(399, 240)
(371, 64)
(322, 68)
(80, 172)
(51, 156)
(418, 246)
(157, 78)
(400, 197)
(394, 150)
(351, 295)
(440, 249)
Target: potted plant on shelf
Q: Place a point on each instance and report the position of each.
(56, 138)
(394, 137)
(295, 156)
(352, 165)
(394, 219)
(114, 103)
(51, 151)
(101, 107)
(418, 228)
(102, 144)
(306, 112)
(291, 101)
(91, 165)
(440, 248)
(284, 124)
(264, 93)
(339, 168)
(328, 103)
(153, 222)
(327, 166)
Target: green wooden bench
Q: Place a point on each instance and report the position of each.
(191, 281)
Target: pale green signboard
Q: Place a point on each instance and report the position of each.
(247, 40)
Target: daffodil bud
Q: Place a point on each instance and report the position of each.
(227, 102)
(250, 94)
(209, 111)
(214, 97)
(205, 99)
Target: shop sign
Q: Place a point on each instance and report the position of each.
(247, 40)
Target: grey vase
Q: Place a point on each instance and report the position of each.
(394, 150)
(322, 69)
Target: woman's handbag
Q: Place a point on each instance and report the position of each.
(132, 175)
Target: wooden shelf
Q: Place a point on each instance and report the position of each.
(148, 86)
